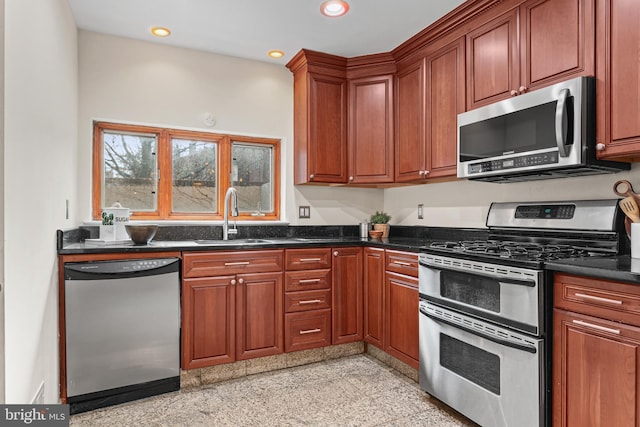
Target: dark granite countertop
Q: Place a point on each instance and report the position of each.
(621, 268)
(411, 244)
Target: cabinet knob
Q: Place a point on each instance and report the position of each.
(233, 282)
(514, 92)
(350, 178)
(421, 173)
(425, 173)
(311, 177)
(240, 281)
(335, 253)
(522, 89)
(600, 146)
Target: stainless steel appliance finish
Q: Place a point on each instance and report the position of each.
(488, 373)
(505, 294)
(122, 321)
(485, 307)
(547, 133)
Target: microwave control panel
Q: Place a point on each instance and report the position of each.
(514, 162)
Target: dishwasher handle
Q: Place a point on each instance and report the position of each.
(102, 270)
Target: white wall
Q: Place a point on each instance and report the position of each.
(150, 83)
(465, 203)
(39, 167)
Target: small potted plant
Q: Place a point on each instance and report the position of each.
(380, 222)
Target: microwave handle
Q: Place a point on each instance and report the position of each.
(561, 123)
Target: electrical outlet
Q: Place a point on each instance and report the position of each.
(420, 211)
(304, 212)
(38, 399)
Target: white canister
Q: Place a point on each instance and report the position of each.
(635, 240)
(120, 219)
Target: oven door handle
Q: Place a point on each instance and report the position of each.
(496, 340)
(519, 282)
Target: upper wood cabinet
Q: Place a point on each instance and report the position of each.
(618, 85)
(371, 130)
(320, 117)
(536, 44)
(430, 93)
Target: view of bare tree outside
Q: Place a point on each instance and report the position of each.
(194, 186)
(252, 176)
(130, 171)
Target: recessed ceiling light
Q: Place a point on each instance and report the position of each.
(160, 31)
(334, 8)
(275, 54)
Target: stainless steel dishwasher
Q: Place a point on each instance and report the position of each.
(122, 321)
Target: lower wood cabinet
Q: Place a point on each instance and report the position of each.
(347, 295)
(401, 317)
(391, 302)
(307, 298)
(374, 296)
(231, 317)
(596, 352)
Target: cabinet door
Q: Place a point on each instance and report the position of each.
(618, 85)
(409, 118)
(347, 295)
(327, 156)
(493, 61)
(557, 41)
(208, 321)
(401, 314)
(596, 366)
(374, 262)
(371, 130)
(259, 314)
(445, 86)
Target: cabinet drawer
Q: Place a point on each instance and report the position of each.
(308, 259)
(205, 264)
(402, 262)
(307, 300)
(307, 280)
(308, 329)
(596, 297)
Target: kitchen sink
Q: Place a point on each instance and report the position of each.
(233, 242)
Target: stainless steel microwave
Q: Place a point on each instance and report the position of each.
(546, 133)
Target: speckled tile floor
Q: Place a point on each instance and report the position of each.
(351, 391)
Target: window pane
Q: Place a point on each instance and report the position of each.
(252, 175)
(129, 171)
(194, 176)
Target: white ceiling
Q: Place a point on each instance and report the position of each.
(250, 28)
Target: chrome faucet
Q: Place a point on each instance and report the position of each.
(233, 195)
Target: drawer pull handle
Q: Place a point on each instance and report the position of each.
(599, 299)
(309, 281)
(596, 327)
(310, 331)
(310, 259)
(228, 264)
(408, 264)
(310, 301)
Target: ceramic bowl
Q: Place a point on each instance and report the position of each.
(141, 234)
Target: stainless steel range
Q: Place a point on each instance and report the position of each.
(485, 307)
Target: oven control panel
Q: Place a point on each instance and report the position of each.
(546, 211)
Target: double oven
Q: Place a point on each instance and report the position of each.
(485, 308)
